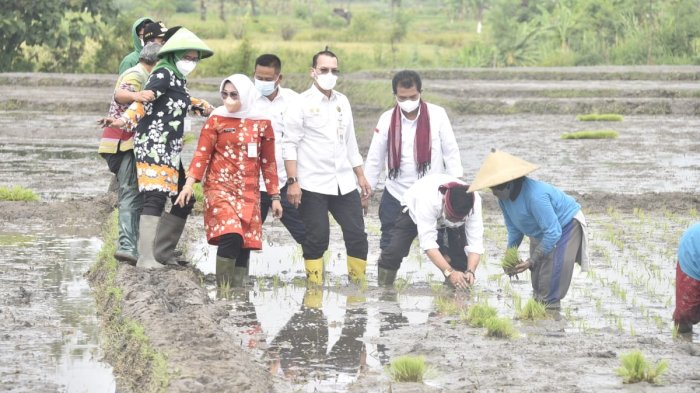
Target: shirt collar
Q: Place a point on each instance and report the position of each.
(317, 95)
(406, 119)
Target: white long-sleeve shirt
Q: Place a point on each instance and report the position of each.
(425, 206)
(444, 152)
(274, 111)
(320, 136)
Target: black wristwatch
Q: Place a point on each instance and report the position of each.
(292, 180)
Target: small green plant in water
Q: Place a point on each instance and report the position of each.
(600, 117)
(533, 311)
(478, 314)
(408, 369)
(447, 306)
(500, 327)
(401, 284)
(635, 368)
(17, 193)
(510, 259)
(591, 134)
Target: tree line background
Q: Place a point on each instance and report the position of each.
(91, 36)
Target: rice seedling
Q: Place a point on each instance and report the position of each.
(224, 291)
(401, 284)
(478, 314)
(510, 260)
(447, 306)
(591, 134)
(635, 368)
(500, 327)
(17, 193)
(600, 117)
(533, 311)
(408, 369)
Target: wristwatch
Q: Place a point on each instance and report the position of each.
(292, 180)
(448, 271)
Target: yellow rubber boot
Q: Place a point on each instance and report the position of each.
(314, 271)
(356, 269)
(313, 297)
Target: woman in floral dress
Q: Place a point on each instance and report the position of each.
(158, 143)
(235, 145)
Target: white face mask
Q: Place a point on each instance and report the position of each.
(265, 87)
(185, 66)
(408, 106)
(326, 81)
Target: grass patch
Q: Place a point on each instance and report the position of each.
(591, 134)
(600, 117)
(408, 369)
(635, 368)
(533, 311)
(510, 259)
(17, 193)
(127, 348)
(447, 306)
(500, 327)
(478, 314)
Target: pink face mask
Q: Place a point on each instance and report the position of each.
(232, 105)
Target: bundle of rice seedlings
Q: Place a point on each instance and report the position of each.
(447, 305)
(500, 327)
(17, 193)
(600, 117)
(635, 368)
(407, 369)
(510, 259)
(591, 134)
(479, 313)
(533, 311)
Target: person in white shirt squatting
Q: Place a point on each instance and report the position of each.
(324, 170)
(411, 140)
(437, 203)
(272, 103)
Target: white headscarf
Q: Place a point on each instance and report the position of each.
(247, 94)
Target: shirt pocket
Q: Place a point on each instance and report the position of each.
(315, 120)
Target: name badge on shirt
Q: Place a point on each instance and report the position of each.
(252, 150)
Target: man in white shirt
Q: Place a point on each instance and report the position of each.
(273, 102)
(438, 203)
(324, 169)
(413, 139)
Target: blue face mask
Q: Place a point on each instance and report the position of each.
(265, 88)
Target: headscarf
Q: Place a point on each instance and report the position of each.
(168, 61)
(247, 94)
(458, 202)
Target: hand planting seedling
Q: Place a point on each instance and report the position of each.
(510, 260)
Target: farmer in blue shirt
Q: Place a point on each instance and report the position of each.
(551, 219)
(687, 311)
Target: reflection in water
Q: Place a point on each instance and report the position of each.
(57, 335)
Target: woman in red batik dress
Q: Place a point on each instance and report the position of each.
(234, 146)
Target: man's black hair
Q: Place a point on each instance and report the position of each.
(324, 52)
(406, 79)
(269, 60)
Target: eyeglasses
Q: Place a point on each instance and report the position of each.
(232, 94)
(325, 70)
(190, 58)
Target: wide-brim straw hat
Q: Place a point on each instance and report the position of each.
(184, 39)
(500, 167)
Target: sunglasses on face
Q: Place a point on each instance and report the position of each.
(325, 70)
(232, 94)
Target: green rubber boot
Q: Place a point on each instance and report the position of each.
(386, 277)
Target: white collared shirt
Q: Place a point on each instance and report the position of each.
(444, 152)
(274, 111)
(320, 136)
(424, 202)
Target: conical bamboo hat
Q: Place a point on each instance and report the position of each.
(500, 167)
(184, 39)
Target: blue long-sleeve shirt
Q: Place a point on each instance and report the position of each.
(689, 251)
(540, 211)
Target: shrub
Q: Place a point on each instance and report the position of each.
(500, 327)
(533, 310)
(408, 369)
(635, 368)
(591, 134)
(287, 31)
(17, 193)
(600, 117)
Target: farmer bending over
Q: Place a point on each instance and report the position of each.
(687, 311)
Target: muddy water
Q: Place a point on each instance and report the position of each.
(49, 333)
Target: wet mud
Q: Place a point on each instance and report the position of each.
(639, 193)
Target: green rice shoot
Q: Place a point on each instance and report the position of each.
(591, 134)
(510, 259)
(600, 117)
(17, 194)
(408, 369)
(500, 327)
(635, 368)
(478, 314)
(447, 305)
(533, 311)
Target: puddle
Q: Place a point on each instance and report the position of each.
(49, 333)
